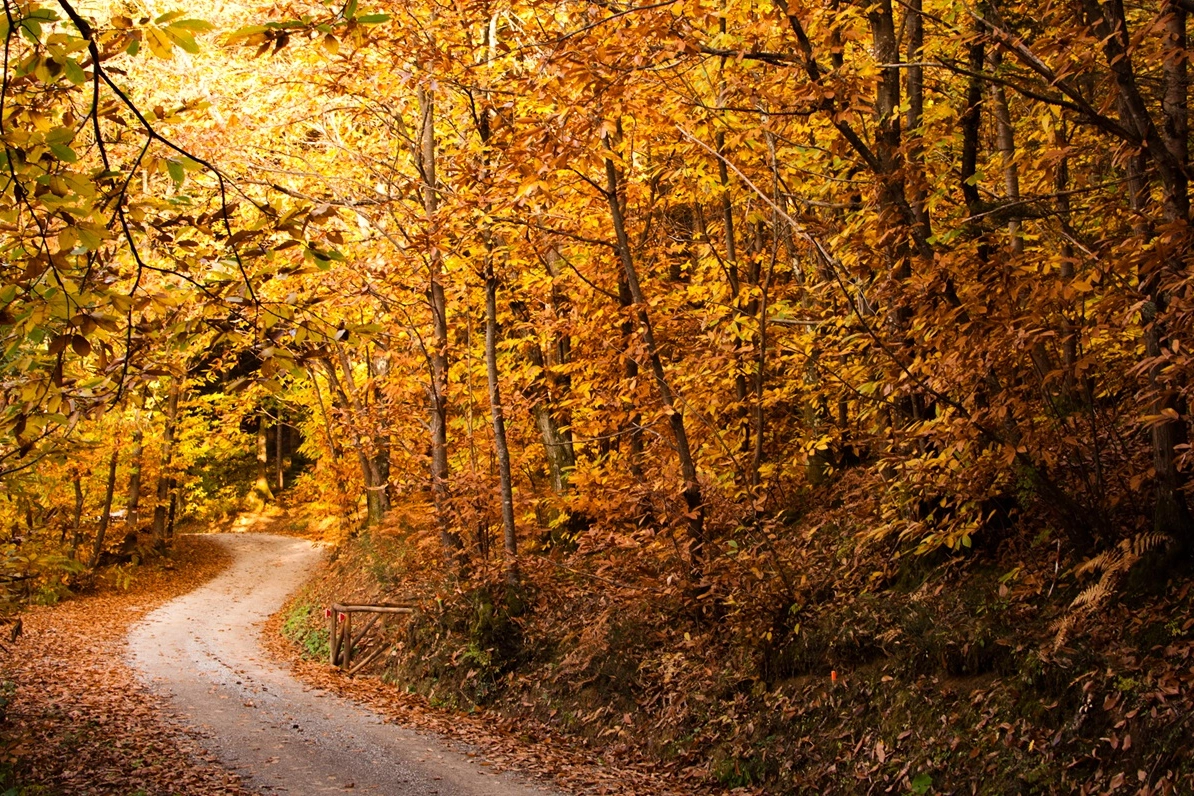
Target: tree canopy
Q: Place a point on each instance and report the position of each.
(598, 277)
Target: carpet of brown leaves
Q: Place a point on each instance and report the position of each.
(79, 721)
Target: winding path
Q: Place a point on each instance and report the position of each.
(200, 652)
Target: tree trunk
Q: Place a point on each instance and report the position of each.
(914, 117)
(342, 399)
(1005, 141)
(279, 469)
(509, 532)
(77, 518)
(692, 488)
(1167, 148)
(106, 511)
(134, 496)
(557, 447)
(438, 353)
(375, 487)
(630, 371)
(164, 474)
(261, 488)
(173, 510)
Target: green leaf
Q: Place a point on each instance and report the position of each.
(31, 29)
(74, 72)
(247, 31)
(60, 135)
(64, 153)
(373, 19)
(90, 239)
(177, 172)
(193, 25)
(183, 39)
(921, 783)
(133, 48)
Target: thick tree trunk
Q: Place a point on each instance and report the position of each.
(261, 488)
(105, 512)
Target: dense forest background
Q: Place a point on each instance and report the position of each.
(766, 339)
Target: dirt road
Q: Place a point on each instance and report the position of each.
(201, 653)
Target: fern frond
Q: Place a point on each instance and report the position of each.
(1111, 565)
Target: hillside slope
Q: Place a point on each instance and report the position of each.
(894, 674)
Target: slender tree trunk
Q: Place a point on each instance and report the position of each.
(343, 399)
(1172, 513)
(970, 121)
(279, 470)
(171, 513)
(261, 488)
(164, 473)
(545, 389)
(333, 445)
(732, 262)
(630, 371)
(376, 499)
(1005, 141)
(560, 382)
(557, 446)
(914, 117)
(1166, 146)
(692, 488)
(509, 532)
(77, 518)
(106, 511)
(438, 351)
(134, 497)
(1069, 335)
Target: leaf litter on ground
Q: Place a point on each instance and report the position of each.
(79, 721)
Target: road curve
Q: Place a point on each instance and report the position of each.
(201, 654)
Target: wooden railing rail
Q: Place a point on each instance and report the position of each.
(343, 641)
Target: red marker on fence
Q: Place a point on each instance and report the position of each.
(833, 676)
(327, 613)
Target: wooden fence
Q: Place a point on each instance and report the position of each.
(344, 642)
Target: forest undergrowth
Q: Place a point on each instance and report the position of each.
(894, 673)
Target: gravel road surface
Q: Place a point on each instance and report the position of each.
(201, 654)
